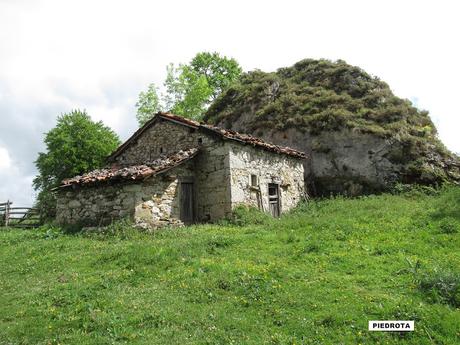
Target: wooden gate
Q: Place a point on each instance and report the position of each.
(186, 202)
(20, 217)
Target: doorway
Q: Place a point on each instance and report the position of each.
(186, 202)
(274, 199)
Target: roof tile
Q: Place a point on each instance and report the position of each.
(133, 172)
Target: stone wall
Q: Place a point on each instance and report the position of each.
(213, 182)
(287, 172)
(94, 205)
(150, 203)
(157, 200)
(163, 138)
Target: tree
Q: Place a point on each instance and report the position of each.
(219, 71)
(190, 88)
(76, 145)
(187, 92)
(148, 104)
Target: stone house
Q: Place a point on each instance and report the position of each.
(175, 171)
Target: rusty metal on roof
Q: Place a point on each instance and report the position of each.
(133, 172)
(221, 132)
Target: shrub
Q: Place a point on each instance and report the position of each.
(120, 229)
(246, 215)
(413, 190)
(449, 226)
(441, 286)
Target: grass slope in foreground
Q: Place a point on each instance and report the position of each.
(316, 276)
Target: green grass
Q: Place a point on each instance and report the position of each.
(315, 276)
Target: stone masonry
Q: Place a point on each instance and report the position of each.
(223, 174)
(283, 171)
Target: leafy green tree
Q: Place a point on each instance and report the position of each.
(187, 92)
(75, 146)
(148, 104)
(190, 88)
(219, 71)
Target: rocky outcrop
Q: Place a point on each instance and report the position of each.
(358, 136)
(351, 162)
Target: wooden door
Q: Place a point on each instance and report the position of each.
(274, 199)
(186, 202)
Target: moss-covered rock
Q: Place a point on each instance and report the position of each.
(349, 122)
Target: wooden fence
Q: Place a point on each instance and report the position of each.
(20, 217)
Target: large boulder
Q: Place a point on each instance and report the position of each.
(360, 138)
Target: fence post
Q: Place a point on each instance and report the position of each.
(7, 212)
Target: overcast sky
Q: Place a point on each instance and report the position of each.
(56, 56)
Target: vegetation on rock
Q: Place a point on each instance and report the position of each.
(317, 96)
(320, 95)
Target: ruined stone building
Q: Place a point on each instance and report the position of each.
(177, 171)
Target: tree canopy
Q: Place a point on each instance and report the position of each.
(219, 71)
(76, 145)
(190, 88)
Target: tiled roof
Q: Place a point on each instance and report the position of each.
(223, 133)
(133, 172)
(250, 140)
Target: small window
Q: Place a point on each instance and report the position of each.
(200, 141)
(161, 150)
(254, 181)
(272, 189)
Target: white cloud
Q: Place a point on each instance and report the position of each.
(98, 55)
(5, 160)
(15, 185)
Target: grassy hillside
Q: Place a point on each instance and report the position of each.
(315, 276)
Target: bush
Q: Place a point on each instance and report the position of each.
(441, 286)
(246, 215)
(119, 229)
(449, 226)
(413, 190)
